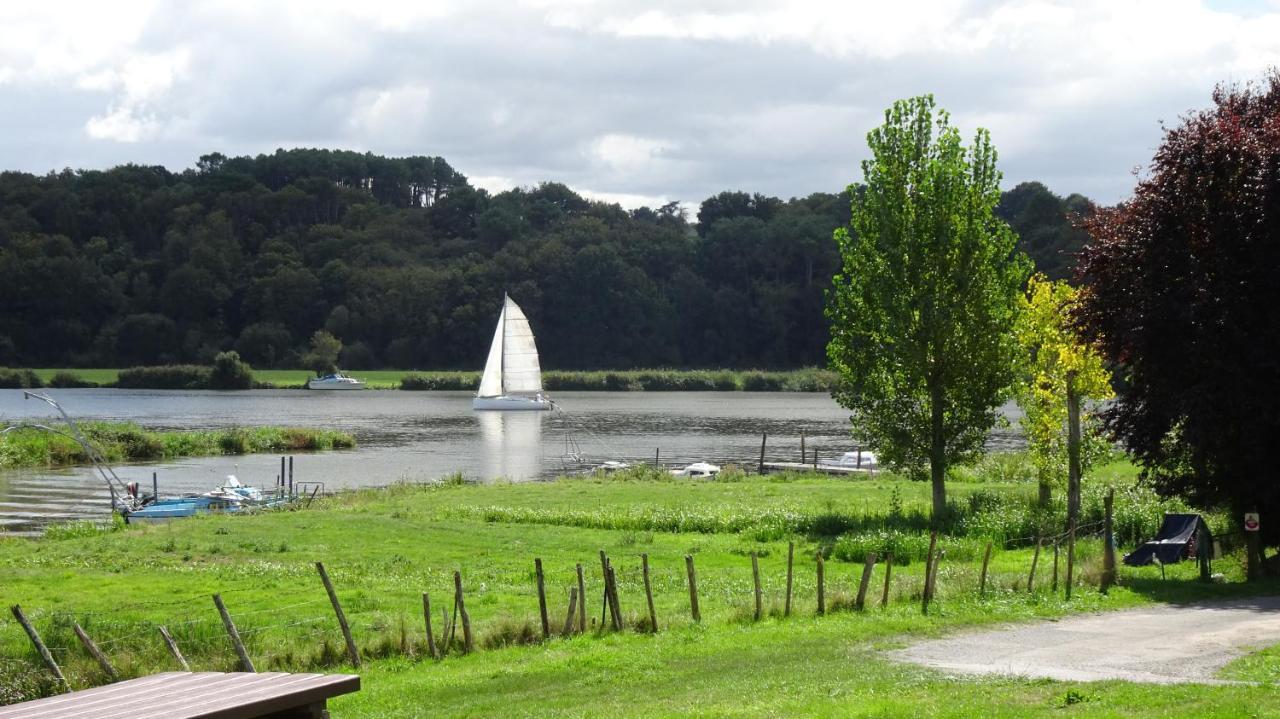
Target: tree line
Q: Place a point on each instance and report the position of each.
(405, 262)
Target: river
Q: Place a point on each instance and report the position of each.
(421, 436)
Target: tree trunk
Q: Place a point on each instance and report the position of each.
(937, 457)
(1046, 491)
(1073, 450)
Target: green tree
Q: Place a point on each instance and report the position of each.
(323, 356)
(230, 372)
(1058, 369)
(923, 308)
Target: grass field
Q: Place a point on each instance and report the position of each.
(384, 548)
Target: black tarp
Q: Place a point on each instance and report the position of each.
(1175, 541)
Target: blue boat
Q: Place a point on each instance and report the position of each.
(230, 497)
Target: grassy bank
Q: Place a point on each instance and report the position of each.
(411, 538)
(640, 380)
(128, 442)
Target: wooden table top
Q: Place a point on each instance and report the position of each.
(190, 695)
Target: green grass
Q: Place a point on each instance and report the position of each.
(383, 548)
(128, 442)
(1261, 666)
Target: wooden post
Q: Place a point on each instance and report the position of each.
(352, 653)
(791, 550)
(582, 601)
(868, 566)
(763, 437)
(283, 475)
(1074, 468)
(432, 649)
(888, 572)
(155, 485)
(45, 656)
(1071, 554)
(1109, 543)
(95, 652)
(291, 470)
(1035, 558)
(1252, 554)
(648, 594)
(573, 610)
(173, 649)
(657, 456)
(542, 599)
(803, 454)
(982, 583)
(822, 597)
(467, 643)
(928, 570)
(608, 593)
(1054, 588)
(693, 588)
(245, 662)
(450, 627)
(755, 578)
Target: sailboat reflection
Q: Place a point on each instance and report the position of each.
(511, 445)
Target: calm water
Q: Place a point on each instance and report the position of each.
(420, 436)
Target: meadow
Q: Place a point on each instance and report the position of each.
(385, 548)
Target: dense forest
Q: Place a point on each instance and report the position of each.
(406, 262)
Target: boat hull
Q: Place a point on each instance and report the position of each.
(319, 384)
(509, 402)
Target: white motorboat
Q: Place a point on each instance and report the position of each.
(861, 459)
(337, 380)
(697, 470)
(512, 376)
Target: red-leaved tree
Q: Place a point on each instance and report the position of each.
(1182, 293)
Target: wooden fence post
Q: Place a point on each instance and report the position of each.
(868, 566)
(822, 598)
(693, 588)
(755, 578)
(352, 653)
(982, 582)
(173, 649)
(582, 600)
(1109, 544)
(1035, 558)
(613, 598)
(95, 652)
(542, 599)
(791, 550)
(648, 594)
(608, 591)
(467, 643)
(45, 656)
(245, 662)
(928, 570)
(1071, 554)
(573, 609)
(1054, 587)
(888, 572)
(431, 637)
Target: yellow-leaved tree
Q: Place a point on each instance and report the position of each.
(1060, 374)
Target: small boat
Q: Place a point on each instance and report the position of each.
(337, 380)
(697, 470)
(230, 497)
(861, 459)
(512, 377)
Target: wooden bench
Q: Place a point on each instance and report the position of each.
(192, 695)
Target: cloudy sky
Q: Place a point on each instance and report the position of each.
(638, 103)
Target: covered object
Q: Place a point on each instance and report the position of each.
(1177, 540)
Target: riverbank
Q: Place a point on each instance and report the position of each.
(129, 442)
(638, 380)
(412, 538)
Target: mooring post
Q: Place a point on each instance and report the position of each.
(352, 652)
(291, 470)
(45, 656)
(173, 649)
(802, 452)
(764, 436)
(245, 662)
(657, 456)
(283, 475)
(155, 486)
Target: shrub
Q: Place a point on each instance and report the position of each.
(229, 372)
(164, 377)
(431, 382)
(62, 379)
(19, 379)
(761, 382)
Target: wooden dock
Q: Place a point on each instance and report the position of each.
(832, 469)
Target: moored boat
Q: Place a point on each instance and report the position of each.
(337, 380)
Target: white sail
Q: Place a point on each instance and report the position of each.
(520, 371)
(491, 382)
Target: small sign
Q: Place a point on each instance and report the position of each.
(1251, 522)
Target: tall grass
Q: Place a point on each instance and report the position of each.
(127, 442)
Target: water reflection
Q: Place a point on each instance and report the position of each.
(510, 444)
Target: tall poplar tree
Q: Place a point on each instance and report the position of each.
(922, 312)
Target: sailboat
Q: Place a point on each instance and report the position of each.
(512, 378)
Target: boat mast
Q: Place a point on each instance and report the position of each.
(502, 351)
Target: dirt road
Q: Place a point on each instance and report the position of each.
(1163, 644)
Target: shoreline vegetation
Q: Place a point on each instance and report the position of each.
(189, 377)
(415, 536)
(128, 442)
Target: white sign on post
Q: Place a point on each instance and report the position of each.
(1251, 522)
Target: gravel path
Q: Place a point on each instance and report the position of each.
(1164, 644)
